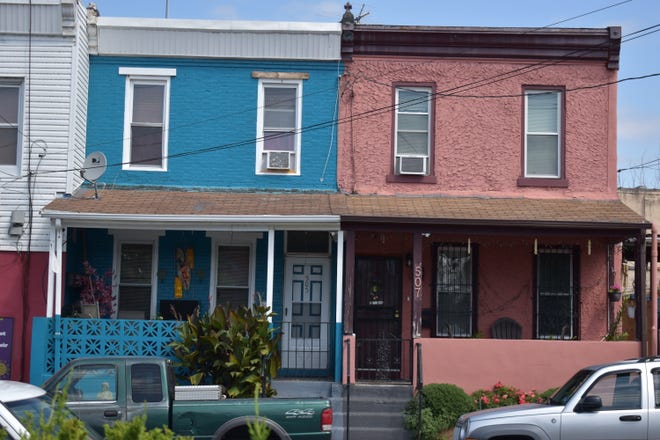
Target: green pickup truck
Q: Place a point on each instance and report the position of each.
(102, 390)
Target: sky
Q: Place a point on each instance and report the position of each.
(638, 111)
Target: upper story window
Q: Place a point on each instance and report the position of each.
(11, 94)
(412, 143)
(279, 117)
(543, 139)
(146, 118)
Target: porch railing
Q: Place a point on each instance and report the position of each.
(383, 359)
(58, 340)
(306, 348)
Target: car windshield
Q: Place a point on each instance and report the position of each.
(34, 407)
(563, 394)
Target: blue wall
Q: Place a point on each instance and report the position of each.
(213, 105)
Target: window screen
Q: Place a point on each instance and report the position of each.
(233, 286)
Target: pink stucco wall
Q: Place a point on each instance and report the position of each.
(474, 364)
(478, 137)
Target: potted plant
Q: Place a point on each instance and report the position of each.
(614, 292)
(96, 289)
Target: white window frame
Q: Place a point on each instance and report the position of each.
(152, 76)
(398, 113)
(245, 239)
(135, 237)
(14, 169)
(558, 133)
(261, 165)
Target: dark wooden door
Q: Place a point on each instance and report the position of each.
(377, 323)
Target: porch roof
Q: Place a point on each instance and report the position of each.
(148, 209)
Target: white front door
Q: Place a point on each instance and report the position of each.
(306, 313)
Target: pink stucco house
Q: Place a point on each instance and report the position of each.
(481, 214)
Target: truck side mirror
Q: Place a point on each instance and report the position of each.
(589, 404)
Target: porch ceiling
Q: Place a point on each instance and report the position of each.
(169, 207)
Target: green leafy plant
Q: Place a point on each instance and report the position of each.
(230, 347)
(58, 423)
(136, 430)
(258, 429)
(614, 333)
(442, 405)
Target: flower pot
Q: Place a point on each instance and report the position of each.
(614, 295)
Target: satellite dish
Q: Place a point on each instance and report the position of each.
(94, 166)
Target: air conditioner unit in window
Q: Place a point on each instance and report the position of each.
(411, 165)
(278, 160)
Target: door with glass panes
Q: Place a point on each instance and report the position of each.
(306, 314)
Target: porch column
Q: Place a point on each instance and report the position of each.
(54, 289)
(640, 291)
(349, 282)
(417, 286)
(654, 290)
(339, 306)
(270, 267)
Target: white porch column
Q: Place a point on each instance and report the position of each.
(54, 292)
(58, 269)
(270, 269)
(339, 306)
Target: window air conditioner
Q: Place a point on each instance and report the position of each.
(278, 160)
(411, 165)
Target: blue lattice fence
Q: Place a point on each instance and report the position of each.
(56, 341)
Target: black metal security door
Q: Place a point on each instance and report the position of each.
(377, 323)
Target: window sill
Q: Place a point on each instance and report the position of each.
(398, 178)
(543, 182)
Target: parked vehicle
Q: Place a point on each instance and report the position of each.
(103, 390)
(619, 400)
(18, 400)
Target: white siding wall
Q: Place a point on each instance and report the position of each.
(54, 69)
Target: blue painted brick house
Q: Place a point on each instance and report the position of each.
(211, 161)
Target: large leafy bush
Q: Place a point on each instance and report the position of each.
(231, 347)
(442, 405)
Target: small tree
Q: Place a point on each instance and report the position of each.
(230, 347)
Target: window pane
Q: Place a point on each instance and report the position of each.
(136, 263)
(308, 242)
(232, 297)
(414, 101)
(542, 155)
(280, 98)
(148, 103)
(8, 145)
(135, 298)
(9, 105)
(412, 143)
(454, 291)
(278, 140)
(413, 122)
(542, 112)
(147, 145)
(146, 383)
(233, 266)
(282, 119)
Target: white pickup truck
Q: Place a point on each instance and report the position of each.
(619, 400)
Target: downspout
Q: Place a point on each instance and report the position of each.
(654, 289)
(640, 292)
